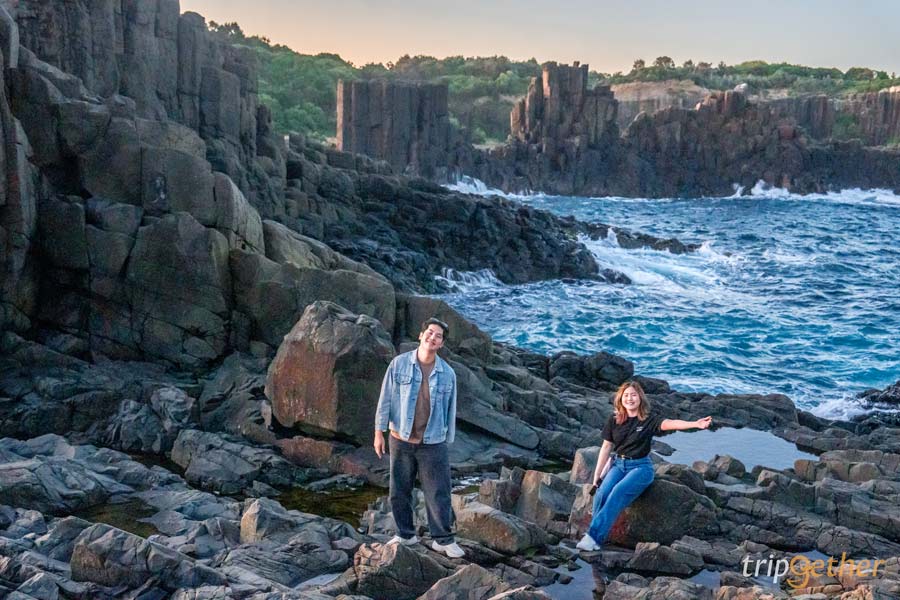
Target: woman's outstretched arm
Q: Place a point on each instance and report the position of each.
(605, 449)
(678, 425)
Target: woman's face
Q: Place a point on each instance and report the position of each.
(630, 399)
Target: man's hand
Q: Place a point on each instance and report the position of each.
(379, 444)
(703, 423)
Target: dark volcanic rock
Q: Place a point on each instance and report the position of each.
(649, 517)
(406, 124)
(216, 462)
(394, 571)
(472, 582)
(498, 530)
(328, 372)
(465, 337)
(411, 230)
(564, 140)
(888, 397)
(110, 556)
(600, 370)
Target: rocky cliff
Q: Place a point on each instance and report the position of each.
(872, 117)
(559, 110)
(566, 139)
(149, 209)
(405, 124)
(722, 142)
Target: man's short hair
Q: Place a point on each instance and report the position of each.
(439, 323)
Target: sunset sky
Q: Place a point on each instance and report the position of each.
(608, 35)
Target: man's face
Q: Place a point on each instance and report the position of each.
(432, 338)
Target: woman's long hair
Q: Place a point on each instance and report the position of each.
(621, 413)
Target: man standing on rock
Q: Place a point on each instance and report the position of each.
(418, 404)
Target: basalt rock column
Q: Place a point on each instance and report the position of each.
(873, 116)
(405, 124)
(559, 108)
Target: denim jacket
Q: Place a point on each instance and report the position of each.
(400, 389)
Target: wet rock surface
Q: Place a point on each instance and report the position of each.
(161, 246)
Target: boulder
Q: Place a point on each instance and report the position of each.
(729, 465)
(54, 484)
(328, 371)
(584, 464)
(599, 371)
(265, 520)
(274, 295)
(472, 582)
(112, 557)
(545, 498)
(501, 494)
(224, 464)
(654, 557)
(661, 588)
(395, 571)
(498, 530)
(684, 475)
(233, 400)
(481, 407)
(649, 517)
(582, 511)
(59, 540)
(151, 427)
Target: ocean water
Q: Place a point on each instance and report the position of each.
(798, 295)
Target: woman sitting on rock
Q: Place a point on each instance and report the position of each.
(626, 437)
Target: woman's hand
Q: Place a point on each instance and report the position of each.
(703, 423)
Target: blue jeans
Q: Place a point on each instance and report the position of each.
(431, 462)
(625, 481)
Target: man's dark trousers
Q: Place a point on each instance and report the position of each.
(432, 463)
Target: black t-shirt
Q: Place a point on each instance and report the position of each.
(632, 438)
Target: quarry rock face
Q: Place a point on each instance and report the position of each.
(405, 124)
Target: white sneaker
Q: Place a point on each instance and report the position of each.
(452, 549)
(588, 544)
(405, 541)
